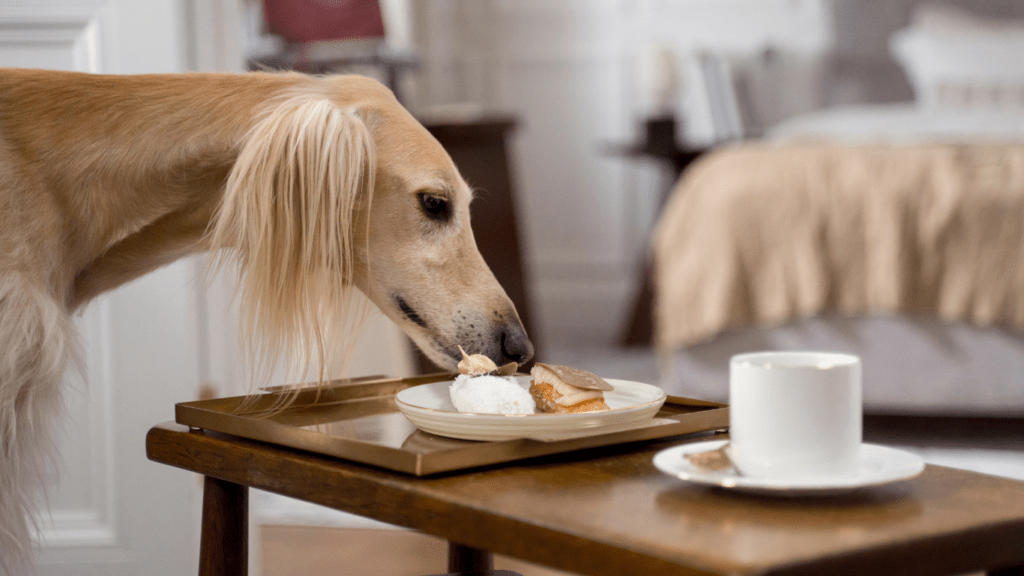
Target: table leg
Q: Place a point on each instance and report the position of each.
(224, 545)
(468, 560)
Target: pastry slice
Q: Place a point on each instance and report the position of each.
(563, 390)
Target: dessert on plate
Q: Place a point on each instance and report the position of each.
(482, 387)
(485, 388)
(561, 390)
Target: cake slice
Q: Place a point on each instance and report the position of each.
(562, 390)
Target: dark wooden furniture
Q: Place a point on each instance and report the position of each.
(479, 148)
(660, 142)
(609, 512)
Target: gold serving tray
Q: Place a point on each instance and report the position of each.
(358, 420)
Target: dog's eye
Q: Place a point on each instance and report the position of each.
(435, 207)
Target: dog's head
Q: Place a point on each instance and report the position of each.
(425, 271)
(336, 186)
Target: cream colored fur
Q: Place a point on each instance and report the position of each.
(313, 186)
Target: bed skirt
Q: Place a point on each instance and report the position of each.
(920, 366)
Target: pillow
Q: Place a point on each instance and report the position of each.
(957, 60)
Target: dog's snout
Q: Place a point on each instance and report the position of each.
(515, 344)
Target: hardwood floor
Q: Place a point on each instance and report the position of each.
(323, 551)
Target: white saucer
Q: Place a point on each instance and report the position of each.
(878, 465)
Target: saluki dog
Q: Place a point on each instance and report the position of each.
(314, 186)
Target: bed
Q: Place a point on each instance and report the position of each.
(910, 255)
(893, 232)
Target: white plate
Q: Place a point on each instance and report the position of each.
(429, 407)
(878, 465)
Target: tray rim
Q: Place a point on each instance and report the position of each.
(221, 415)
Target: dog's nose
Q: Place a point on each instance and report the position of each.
(515, 344)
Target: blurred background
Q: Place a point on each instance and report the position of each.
(611, 143)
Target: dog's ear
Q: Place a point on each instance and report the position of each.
(288, 218)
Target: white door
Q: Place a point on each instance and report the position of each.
(112, 511)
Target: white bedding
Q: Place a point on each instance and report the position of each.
(911, 365)
(901, 123)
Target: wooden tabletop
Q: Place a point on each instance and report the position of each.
(610, 512)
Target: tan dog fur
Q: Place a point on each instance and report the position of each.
(312, 185)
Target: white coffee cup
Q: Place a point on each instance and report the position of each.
(795, 414)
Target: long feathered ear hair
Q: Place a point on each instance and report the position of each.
(288, 219)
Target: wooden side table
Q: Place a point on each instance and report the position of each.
(608, 512)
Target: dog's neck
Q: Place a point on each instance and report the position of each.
(176, 231)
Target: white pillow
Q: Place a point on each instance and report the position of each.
(957, 60)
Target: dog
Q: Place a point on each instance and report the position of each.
(314, 186)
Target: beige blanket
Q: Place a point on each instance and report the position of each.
(760, 234)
